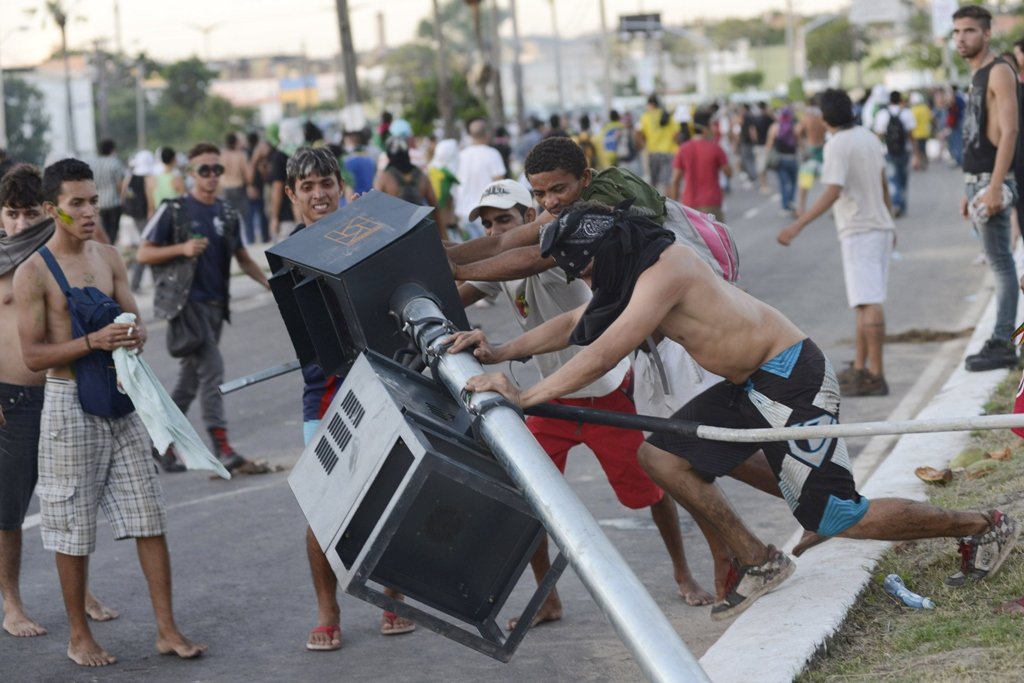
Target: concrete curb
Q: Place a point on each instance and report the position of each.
(778, 635)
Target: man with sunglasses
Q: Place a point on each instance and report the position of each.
(190, 245)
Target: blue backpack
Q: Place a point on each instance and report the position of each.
(91, 310)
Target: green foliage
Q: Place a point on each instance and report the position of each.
(746, 80)
(423, 111)
(457, 24)
(756, 30)
(27, 121)
(832, 43)
(186, 113)
(795, 89)
(187, 83)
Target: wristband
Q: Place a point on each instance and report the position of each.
(87, 344)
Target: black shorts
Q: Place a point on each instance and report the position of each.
(797, 387)
(19, 451)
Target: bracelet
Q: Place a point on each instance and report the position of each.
(87, 344)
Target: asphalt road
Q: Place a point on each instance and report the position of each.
(241, 577)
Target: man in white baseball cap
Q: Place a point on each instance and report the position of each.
(502, 195)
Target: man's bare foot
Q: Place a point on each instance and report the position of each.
(18, 624)
(178, 644)
(723, 567)
(97, 611)
(550, 611)
(808, 541)
(693, 594)
(89, 653)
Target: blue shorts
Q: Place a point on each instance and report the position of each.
(797, 387)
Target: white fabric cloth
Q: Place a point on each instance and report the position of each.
(866, 257)
(854, 160)
(540, 298)
(479, 166)
(164, 422)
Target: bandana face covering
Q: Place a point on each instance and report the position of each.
(574, 239)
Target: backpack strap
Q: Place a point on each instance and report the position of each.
(55, 269)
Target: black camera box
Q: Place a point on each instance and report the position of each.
(334, 279)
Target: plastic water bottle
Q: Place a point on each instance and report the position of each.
(895, 587)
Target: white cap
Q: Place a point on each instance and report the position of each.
(502, 194)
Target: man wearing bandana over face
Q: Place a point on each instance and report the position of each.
(774, 376)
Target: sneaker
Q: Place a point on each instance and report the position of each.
(228, 456)
(982, 555)
(168, 461)
(747, 584)
(995, 354)
(848, 377)
(868, 385)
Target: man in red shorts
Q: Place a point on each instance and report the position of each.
(504, 205)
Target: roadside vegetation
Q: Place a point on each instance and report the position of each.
(962, 639)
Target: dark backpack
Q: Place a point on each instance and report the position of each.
(409, 185)
(895, 136)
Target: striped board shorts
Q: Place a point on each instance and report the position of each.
(88, 462)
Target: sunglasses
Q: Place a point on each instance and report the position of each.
(206, 170)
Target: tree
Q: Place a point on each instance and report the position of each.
(757, 31)
(746, 80)
(423, 111)
(188, 82)
(27, 121)
(832, 43)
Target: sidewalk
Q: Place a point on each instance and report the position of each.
(778, 635)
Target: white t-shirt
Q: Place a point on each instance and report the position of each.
(854, 160)
(540, 298)
(479, 165)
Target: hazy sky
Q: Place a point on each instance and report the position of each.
(174, 29)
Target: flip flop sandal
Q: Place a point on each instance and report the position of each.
(392, 625)
(333, 631)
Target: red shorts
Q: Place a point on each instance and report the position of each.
(614, 447)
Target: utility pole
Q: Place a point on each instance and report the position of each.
(100, 64)
(118, 45)
(558, 59)
(497, 98)
(606, 67)
(140, 103)
(348, 54)
(444, 79)
(517, 70)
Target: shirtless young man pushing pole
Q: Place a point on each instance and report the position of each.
(774, 376)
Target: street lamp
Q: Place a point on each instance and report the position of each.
(3, 102)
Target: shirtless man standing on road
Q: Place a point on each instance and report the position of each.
(86, 461)
(24, 228)
(810, 131)
(774, 376)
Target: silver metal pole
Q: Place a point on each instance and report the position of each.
(951, 424)
(634, 615)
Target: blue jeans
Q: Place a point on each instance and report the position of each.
(956, 143)
(786, 171)
(898, 166)
(255, 225)
(995, 238)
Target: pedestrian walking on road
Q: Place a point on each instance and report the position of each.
(855, 187)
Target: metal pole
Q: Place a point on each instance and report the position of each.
(348, 54)
(3, 107)
(606, 62)
(634, 615)
(556, 37)
(768, 434)
(517, 70)
(497, 97)
(140, 104)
